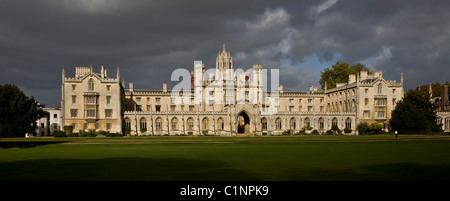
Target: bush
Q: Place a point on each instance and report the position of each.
(374, 128)
(113, 135)
(309, 128)
(315, 132)
(264, 133)
(68, 129)
(127, 130)
(347, 130)
(72, 135)
(287, 132)
(59, 134)
(190, 133)
(205, 132)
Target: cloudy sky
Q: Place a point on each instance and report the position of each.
(149, 39)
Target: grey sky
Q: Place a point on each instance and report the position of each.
(149, 39)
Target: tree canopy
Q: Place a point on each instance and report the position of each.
(18, 113)
(414, 114)
(339, 73)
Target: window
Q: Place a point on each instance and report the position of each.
(74, 99)
(307, 122)
(73, 113)
(379, 114)
(108, 113)
(138, 108)
(190, 124)
(334, 122)
(42, 125)
(191, 108)
(55, 116)
(158, 108)
(366, 114)
(278, 124)
(220, 124)
(108, 126)
(291, 100)
(138, 99)
(73, 87)
(393, 91)
(172, 108)
(393, 101)
(310, 108)
(91, 99)
(91, 85)
(264, 123)
(90, 113)
(321, 124)
(85, 126)
(205, 123)
(348, 123)
(366, 101)
(96, 126)
(108, 100)
(158, 100)
(366, 90)
(292, 123)
(380, 88)
(127, 123)
(148, 108)
(108, 87)
(291, 108)
(174, 123)
(309, 100)
(321, 108)
(74, 126)
(158, 124)
(143, 124)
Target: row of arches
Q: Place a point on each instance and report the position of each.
(176, 124)
(306, 123)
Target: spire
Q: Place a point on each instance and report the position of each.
(430, 91)
(224, 47)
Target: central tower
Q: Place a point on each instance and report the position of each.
(224, 60)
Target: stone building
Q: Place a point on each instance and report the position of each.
(224, 101)
(49, 120)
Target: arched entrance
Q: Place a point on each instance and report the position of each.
(243, 122)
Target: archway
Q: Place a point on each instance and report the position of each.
(243, 123)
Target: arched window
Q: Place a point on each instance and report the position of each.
(334, 122)
(143, 124)
(127, 123)
(190, 123)
(380, 88)
(348, 123)
(220, 125)
(174, 123)
(447, 124)
(158, 124)
(264, 123)
(91, 85)
(278, 123)
(292, 123)
(321, 124)
(307, 122)
(205, 123)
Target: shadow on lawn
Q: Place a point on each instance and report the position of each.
(120, 169)
(28, 144)
(386, 172)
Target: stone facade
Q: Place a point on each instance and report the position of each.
(218, 104)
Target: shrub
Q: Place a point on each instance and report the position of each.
(105, 133)
(91, 134)
(264, 133)
(287, 132)
(347, 130)
(127, 130)
(59, 134)
(68, 129)
(113, 135)
(315, 132)
(72, 135)
(205, 132)
(329, 132)
(374, 128)
(190, 133)
(309, 128)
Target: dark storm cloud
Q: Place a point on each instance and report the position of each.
(149, 39)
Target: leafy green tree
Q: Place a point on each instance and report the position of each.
(18, 113)
(339, 73)
(414, 114)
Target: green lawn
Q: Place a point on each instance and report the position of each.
(299, 158)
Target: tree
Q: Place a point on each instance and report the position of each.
(339, 73)
(18, 113)
(436, 89)
(414, 114)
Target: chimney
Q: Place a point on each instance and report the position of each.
(280, 88)
(351, 78)
(444, 97)
(164, 87)
(130, 88)
(363, 75)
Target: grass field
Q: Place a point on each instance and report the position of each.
(299, 158)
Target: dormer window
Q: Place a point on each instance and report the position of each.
(91, 85)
